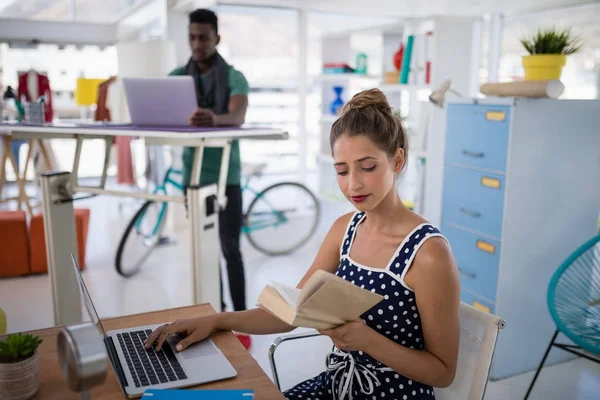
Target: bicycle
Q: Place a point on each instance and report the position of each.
(286, 210)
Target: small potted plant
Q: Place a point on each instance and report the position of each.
(19, 369)
(548, 51)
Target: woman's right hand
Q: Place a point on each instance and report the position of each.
(194, 330)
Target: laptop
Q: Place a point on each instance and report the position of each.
(168, 101)
(138, 369)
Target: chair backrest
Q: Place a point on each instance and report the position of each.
(478, 334)
(574, 296)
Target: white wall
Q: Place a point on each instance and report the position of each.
(177, 32)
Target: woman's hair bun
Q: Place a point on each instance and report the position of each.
(372, 98)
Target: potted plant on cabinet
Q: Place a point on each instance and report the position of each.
(548, 51)
(19, 369)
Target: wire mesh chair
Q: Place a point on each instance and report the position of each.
(574, 304)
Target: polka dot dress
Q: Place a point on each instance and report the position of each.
(356, 375)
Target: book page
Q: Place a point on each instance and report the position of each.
(338, 301)
(289, 294)
(314, 283)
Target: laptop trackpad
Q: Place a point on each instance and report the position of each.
(197, 350)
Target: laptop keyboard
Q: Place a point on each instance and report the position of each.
(149, 367)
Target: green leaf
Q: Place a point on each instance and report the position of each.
(552, 41)
(4, 349)
(19, 346)
(26, 353)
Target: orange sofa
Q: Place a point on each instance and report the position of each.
(39, 261)
(14, 244)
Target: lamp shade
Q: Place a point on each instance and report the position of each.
(86, 92)
(438, 96)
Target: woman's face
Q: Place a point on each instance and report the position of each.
(365, 173)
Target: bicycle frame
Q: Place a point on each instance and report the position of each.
(257, 225)
(162, 189)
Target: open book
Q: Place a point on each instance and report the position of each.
(325, 301)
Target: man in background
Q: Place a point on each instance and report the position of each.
(222, 96)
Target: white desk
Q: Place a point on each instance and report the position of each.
(59, 189)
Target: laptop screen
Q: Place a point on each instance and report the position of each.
(87, 298)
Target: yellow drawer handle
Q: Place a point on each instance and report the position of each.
(485, 246)
(495, 115)
(481, 307)
(490, 182)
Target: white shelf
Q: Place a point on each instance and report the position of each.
(347, 76)
(325, 158)
(328, 118)
(418, 153)
(392, 87)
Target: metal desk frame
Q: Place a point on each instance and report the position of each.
(59, 189)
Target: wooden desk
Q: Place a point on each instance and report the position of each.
(250, 375)
(6, 156)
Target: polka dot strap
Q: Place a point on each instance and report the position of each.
(349, 236)
(409, 247)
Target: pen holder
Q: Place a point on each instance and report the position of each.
(82, 357)
(34, 113)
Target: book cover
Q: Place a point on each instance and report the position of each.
(406, 61)
(177, 394)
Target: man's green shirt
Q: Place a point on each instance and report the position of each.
(211, 160)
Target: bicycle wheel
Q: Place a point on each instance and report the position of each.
(281, 218)
(140, 237)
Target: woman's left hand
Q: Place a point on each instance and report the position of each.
(351, 336)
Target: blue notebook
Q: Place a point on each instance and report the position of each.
(174, 394)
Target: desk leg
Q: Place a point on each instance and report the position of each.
(28, 158)
(22, 196)
(223, 175)
(204, 237)
(3, 152)
(45, 155)
(59, 230)
(205, 244)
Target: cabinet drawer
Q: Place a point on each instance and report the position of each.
(473, 199)
(476, 302)
(478, 260)
(477, 135)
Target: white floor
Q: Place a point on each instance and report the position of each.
(164, 283)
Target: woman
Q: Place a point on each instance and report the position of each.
(408, 343)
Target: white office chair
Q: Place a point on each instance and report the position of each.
(478, 333)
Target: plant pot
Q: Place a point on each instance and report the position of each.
(21, 380)
(542, 67)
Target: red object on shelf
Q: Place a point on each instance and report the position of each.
(428, 46)
(335, 65)
(398, 57)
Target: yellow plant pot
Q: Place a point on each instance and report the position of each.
(541, 67)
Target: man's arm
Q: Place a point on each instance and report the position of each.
(236, 114)
(236, 108)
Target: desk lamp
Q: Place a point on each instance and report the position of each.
(437, 97)
(82, 357)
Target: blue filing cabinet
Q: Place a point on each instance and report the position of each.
(521, 191)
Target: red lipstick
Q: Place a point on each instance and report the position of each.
(359, 199)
